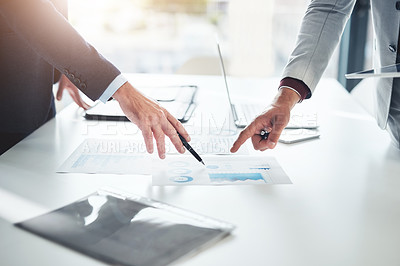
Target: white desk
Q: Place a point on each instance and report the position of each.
(342, 208)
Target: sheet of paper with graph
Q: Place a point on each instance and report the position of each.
(108, 156)
(219, 170)
(129, 156)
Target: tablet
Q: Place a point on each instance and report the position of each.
(392, 71)
(289, 136)
(178, 100)
(122, 229)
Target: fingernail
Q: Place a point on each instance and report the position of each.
(162, 156)
(271, 144)
(182, 150)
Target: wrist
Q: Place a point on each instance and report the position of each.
(123, 92)
(286, 97)
(298, 85)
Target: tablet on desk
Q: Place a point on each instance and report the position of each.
(178, 100)
(122, 229)
(289, 136)
(392, 71)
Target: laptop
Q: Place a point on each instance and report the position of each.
(392, 71)
(243, 114)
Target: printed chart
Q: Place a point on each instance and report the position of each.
(219, 170)
(107, 156)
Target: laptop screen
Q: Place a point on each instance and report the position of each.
(224, 73)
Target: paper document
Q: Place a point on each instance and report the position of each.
(108, 156)
(219, 170)
(213, 140)
(211, 145)
(129, 156)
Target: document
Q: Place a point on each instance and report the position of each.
(108, 156)
(129, 156)
(212, 140)
(122, 229)
(211, 144)
(219, 170)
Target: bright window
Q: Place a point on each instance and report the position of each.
(159, 36)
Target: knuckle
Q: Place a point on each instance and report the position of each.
(170, 131)
(160, 113)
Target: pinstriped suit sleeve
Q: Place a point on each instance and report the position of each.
(320, 32)
(49, 34)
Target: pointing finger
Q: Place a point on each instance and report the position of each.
(243, 136)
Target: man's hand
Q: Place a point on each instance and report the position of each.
(273, 120)
(151, 118)
(66, 84)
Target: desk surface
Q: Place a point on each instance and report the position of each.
(342, 208)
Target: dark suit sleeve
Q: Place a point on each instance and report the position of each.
(62, 7)
(49, 34)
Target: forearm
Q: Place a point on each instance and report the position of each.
(319, 35)
(49, 34)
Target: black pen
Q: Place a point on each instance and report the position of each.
(190, 149)
(264, 134)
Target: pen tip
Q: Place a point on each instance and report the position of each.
(203, 163)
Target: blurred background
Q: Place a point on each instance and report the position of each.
(178, 36)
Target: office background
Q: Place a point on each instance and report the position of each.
(178, 37)
(342, 210)
(160, 36)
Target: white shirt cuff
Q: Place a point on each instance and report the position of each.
(290, 88)
(112, 88)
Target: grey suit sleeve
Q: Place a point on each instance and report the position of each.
(49, 34)
(320, 32)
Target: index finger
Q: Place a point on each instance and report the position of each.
(247, 133)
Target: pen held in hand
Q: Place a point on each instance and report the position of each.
(264, 134)
(190, 149)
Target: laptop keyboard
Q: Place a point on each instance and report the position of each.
(246, 113)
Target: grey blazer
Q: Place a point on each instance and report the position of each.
(36, 39)
(320, 33)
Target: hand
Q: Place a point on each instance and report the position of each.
(273, 120)
(66, 84)
(151, 118)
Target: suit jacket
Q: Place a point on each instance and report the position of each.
(320, 33)
(36, 40)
